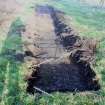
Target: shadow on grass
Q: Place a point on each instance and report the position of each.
(10, 64)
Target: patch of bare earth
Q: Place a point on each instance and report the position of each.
(60, 57)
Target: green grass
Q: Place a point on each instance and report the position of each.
(87, 21)
(11, 79)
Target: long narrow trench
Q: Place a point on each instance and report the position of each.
(54, 38)
(43, 42)
(48, 40)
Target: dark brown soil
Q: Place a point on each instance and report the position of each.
(72, 73)
(63, 76)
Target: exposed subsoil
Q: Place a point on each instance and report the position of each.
(63, 76)
(47, 36)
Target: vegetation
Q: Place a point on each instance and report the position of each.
(87, 20)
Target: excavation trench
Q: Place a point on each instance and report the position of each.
(70, 69)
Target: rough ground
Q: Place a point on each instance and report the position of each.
(45, 35)
(54, 39)
(16, 54)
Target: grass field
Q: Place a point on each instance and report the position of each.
(88, 21)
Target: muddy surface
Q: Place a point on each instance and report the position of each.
(61, 75)
(70, 68)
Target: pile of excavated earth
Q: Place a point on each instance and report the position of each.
(61, 59)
